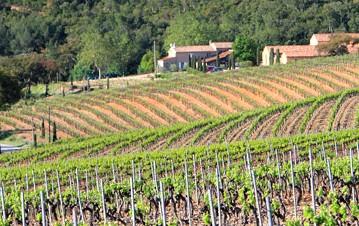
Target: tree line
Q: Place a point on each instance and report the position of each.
(83, 37)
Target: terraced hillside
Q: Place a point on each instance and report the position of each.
(309, 116)
(197, 97)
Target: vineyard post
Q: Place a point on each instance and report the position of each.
(74, 217)
(33, 179)
(172, 168)
(202, 173)
(352, 173)
(155, 180)
(133, 216)
(259, 217)
(86, 185)
(49, 125)
(187, 193)
(113, 172)
(293, 186)
(97, 179)
(163, 207)
(27, 182)
(133, 171)
(103, 202)
(336, 149)
(312, 180)
(357, 149)
(213, 218)
(269, 211)
(218, 196)
(195, 177)
(22, 209)
(228, 155)
(2, 196)
(60, 196)
(330, 175)
(219, 171)
(46, 185)
(43, 214)
(78, 195)
(15, 184)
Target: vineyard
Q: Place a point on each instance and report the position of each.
(189, 98)
(268, 146)
(293, 180)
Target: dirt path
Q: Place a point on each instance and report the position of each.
(345, 118)
(291, 125)
(164, 108)
(211, 136)
(256, 97)
(266, 126)
(128, 112)
(195, 101)
(319, 120)
(184, 108)
(185, 139)
(238, 133)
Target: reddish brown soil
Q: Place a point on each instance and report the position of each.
(233, 97)
(227, 106)
(274, 94)
(113, 116)
(256, 97)
(266, 126)
(310, 78)
(193, 100)
(293, 80)
(100, 120)
(333, 79)
(345, 74)
(128, 112)
(345, 117)
(291, 93)
(319, 120)
(147, 111)
(163, 108)
(291, 125)
(75, 117)
(184, 108)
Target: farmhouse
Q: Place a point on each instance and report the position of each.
(178, 56)
(296, 52)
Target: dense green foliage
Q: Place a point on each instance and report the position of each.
(86, 37)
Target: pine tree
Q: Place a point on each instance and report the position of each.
(271, 56)
(277, 56)
(54, 132)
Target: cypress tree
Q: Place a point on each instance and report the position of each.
(194, 63)
(34, 138)
(204, 66)
(258, 56)
(189, 60)
(271, 56)
(217, 59)
(229, 63)
(277, 56)
(108, 82)
(200, 64)
(54, 132)
(42, 128)
(233, 58)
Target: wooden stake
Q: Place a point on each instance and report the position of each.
(22, 209)
(213, 218)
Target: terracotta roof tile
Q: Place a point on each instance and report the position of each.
(221, 55)
(292, 51)
(200, 48)
(325, 37)
(222, 45)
